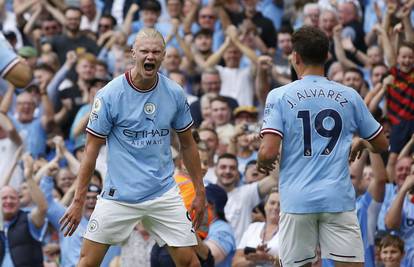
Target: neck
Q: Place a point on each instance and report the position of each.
(227, 188)
(72, 34)
(141, 82)
(312, 70)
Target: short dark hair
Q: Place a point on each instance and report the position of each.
(204, 32)
(311, 44)
(109, 16)
(73, 8)
(151, 5)
(355, 70)
(227, 156)
(409, 45)
(44, 66)
(392, 240)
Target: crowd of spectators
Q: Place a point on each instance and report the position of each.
(227, 55)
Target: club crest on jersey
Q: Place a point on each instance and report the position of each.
(149, 108)
(96, 105)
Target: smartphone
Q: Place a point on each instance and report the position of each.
(248, 250)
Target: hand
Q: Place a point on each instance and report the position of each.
(260, 255)
(408, 183)
(52, 169)
(197, 209)
(71, 58)
(133, 8)
(337, 30)
(265, 166)
(378, 29)
(348, 45)
(398, 28)
(264, 63)
(357, 147)
(176, 25)
(388, 80)
(28, 166)
(391, 8)
(232, 32)
(71, 219)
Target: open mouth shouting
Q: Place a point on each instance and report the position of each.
(149, 67)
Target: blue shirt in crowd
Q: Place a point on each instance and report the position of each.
(222, 235)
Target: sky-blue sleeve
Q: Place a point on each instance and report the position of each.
(368, 127)
(272, 118)
(7, 55)
(100, 120)
(183, 119)
(223, 236)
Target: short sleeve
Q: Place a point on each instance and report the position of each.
(100, 120)
(224, 238)
(368, 127)
(272, 118)
(8, 58)
(182, 120)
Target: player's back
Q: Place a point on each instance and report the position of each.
(317, 119)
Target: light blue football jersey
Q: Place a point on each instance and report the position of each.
(317, 119)
(137, 126)
(8, 57)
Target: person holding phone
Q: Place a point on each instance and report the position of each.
(259, 244)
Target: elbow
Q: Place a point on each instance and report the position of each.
(267, 153)
(391, 223)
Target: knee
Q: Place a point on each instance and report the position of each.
(188, 261)
(87, 261)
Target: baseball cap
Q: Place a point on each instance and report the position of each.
(27, 52)
(247, 109)
(217, 196)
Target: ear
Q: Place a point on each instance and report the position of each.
(133, 53)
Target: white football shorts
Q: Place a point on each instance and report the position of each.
(337, 234)
(165, 218)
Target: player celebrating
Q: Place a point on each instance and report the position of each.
(315, 120)
(134, 114)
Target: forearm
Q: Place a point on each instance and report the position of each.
(81, 126)
(373, 105)
(192, 163)
(8, 175)
(340, 54)
(52, 87)
(405, 152)
(20, 9)
(29, 25)
(37, 196)
(185, 47)
(8, 127)
(215, 58)
(408, 29)
(377, 185)
(388, 49)
(262, 84)
(247, 51)
(7, 100)
(394, 216)
(362, 57)
(126, 26)
(48, 111)
(190, 18)
(73, 163)
(224, 17)
(357, 167)
(56, 14)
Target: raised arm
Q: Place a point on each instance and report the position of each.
(233, 33)
(38, 214)
(7, 100)
(56, 13)
(389, 52)
(48, 111)
(6, 177)
(404, 14)
(377, 185)
(394, 215)
(191, 16)
(262, 80)
(339, 50)
(34, 18)
(126, 26)
(7, 125)
(215, 58)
